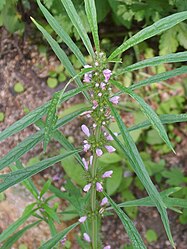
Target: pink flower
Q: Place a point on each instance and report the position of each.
(115, 100)
(104, 201)
(107, 174)
(107, 73)
(95, 104)
(99, 187)
(82, 219)
(86, 237)
(99, 152)
(85, 164)
(109, 138)
(87, 76)
(63, 241)
(102, 85)
(87, 187)
(107, 247)
(110, 148)
(86, 147)
(85, 130)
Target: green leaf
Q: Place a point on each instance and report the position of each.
(35, 115)
(169, 58)
(108, 158)
(128, 225)
(16, 236)
(149, 112)
(60, 54)
(164, 118)
(52, 227)
(14, 226)
(138, 166)
(75, 19)
(51, 212)
(45, 188)
(150, 31)
(160, 77)
(92, 19)
(29, 143)
(59, 236)
(174, 177)
(62, 33)
(10, 179)
(151, 235)
(166, 47)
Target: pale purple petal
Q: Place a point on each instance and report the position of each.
(107, 73)
(107, 247)
(85, 163)
(86, 147)
(56, 177)
(109, 138)
(99, 187)
(85, 130)
(87, 77)
(107, 174)
(86, 237)
(104, 201)
(110, 148)
(82, 219)
(63, 241)
(87, 187)
(115, 100)
(95, 104)
(102, 85)
(91, 160)
(99, 152)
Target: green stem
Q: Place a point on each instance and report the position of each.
(94, 218)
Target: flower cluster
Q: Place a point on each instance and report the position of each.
(97, 138)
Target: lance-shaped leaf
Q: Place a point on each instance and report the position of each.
(92, 19)
(61, 55)
(62, 33)
(164, 118)
(138, 166)
(133, 234)
(75, 19)
(150, 31)
(160, 77)
(59, 236)
(148, 111)
(14, 226)
(10, 179)
(169, 58)
(16, 236)
(31, 141)
(35, 115)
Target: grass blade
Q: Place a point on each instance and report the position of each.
(92, 19)
(75, 19)
(138, 166)
(59, 236)
(160, 77)
(133, 234)
(60, 54)
(10, 179)
(61, 32)
(35, 115)
(149, 112)
(169, 58)
(150, 31)
(164, 118)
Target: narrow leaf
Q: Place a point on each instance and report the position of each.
(35, 115)
(62, 33)
(13, 178)
(160, 77)
(150, 31)
(149, 112)
(133, 234)
(45, 188)
(75, 19)
(59, 236)
(92, 19)
(169, 58)
(60, 54)
(138, 166)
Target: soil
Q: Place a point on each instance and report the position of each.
(20, 61)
